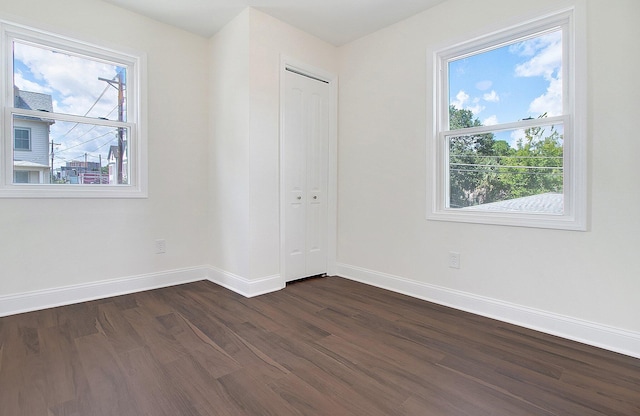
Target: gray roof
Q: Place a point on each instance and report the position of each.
(549, 203)
(28, 100)
(113, 150)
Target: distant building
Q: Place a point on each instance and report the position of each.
(31, 138)
(80, 172)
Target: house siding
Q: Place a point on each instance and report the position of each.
(39, 152)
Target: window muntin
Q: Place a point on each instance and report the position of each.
(22, 139)
(507, 149)
(82, 104)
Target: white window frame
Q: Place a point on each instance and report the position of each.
(135, 123)
(572, 20)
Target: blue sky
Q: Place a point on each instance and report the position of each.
(510, 83)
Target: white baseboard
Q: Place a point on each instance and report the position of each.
(66, 295)
(613, 339)
(244, 286)
(602, 336)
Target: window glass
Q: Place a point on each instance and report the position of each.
(491, 168)
(21, 176)
(74, 84)
(22, 139)
(514, 82)
(518, 82)
(84, 153)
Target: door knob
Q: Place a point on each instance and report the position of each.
(299, 198)
(315, 197)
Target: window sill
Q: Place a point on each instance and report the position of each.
(72, 191)
(514, 219)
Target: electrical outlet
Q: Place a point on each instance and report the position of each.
(454, 260)
(161, 246)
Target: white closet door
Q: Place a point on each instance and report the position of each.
(305, 170)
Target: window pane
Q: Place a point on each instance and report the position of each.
(514, 170)
(79, 153)
(507, 84)
(22, 139)
(21, 176)
(54, 81)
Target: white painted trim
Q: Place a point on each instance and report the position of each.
(66, 295)
(245, 287)
(332, 168)
(598, 335)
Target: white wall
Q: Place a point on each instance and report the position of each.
(229, 158)
(385, 115)
(78, 242)
(246, 94)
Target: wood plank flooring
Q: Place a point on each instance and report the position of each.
(324, 346)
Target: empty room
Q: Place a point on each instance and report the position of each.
(285, 207)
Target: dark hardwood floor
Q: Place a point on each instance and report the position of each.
(325, 346)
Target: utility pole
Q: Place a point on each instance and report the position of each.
(118, 84)
(51, 173)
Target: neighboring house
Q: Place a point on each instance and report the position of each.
(549, 202)
(31, 139)
(114, 155)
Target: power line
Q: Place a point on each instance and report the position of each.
(91, 129)
(85, 114)
(85, 142)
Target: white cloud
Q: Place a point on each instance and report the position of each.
(515, 136)
(491, 97)
(26, 85)
(476, 109)
(545, 61)
(491, 120)
(484, 85)
(72, 81)
(531, 47)
(551, 101)
(461, 98)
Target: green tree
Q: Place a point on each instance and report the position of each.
(483, 169)
(536, 166)
(469, 159)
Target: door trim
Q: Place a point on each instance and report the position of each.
(301, 68)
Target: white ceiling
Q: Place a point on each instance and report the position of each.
(336, 21)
